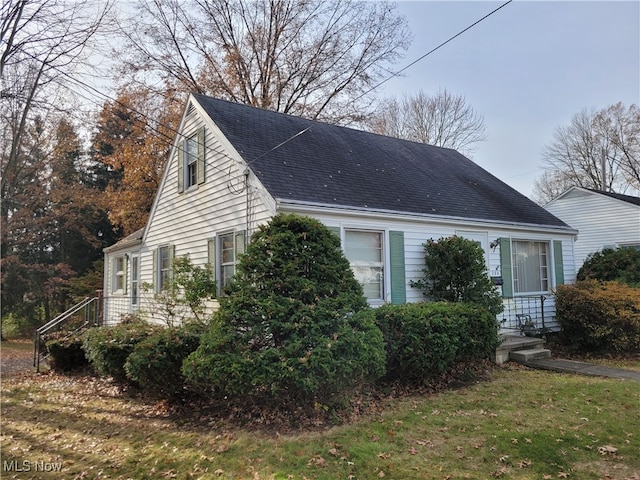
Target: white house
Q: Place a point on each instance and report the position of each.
(233, 167)
(603, 220)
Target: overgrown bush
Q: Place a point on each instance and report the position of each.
(65, 351)
(156, 361)
(291, 327)
(599, 316)
(107, 348)
(455, 271)
(184, 297)
(621, 264)
(425, 339)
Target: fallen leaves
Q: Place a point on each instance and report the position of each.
(607, 450)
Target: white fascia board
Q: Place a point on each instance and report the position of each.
(317, 208)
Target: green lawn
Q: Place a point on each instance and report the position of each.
(521, 424)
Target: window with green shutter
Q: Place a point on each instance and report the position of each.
(191, 161)
(397, 267)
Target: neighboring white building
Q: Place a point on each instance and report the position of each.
(232, 167)
(603, 220)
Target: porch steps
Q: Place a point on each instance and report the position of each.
(513, 345)
(529, 355)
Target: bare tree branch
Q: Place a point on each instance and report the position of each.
(443, 119)
(598, 150)
(309, 58)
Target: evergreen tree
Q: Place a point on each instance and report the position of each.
(455, 271)
(294, 324)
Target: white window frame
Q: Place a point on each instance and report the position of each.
(225, 264)
(191, 161)
(119, 274)
(360, 266)
(223, 261)
(164, 271)
(544, 265)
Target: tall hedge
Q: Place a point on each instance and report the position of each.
(425, 339)
(293, 325)
(599, 316)
(620, 264)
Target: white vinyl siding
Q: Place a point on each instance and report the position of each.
(227, 201)
(601, 221)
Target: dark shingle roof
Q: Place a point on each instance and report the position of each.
(333, 165)
(128, 241)
(619, 196)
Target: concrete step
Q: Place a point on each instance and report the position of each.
(530, 355)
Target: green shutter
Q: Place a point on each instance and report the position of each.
(181, 167)
(505, 267)
(211, 256)
(240, 243)
(558, 262)
(154, 280)
(200, 161)
(397, 268)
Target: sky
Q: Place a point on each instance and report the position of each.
(528, 68)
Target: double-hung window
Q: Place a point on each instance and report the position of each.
(118, 278)
(365, 252)
(191, 164)
(191, 161)
(135, 279)
(530, 266)
(223, 256)
(163, 260)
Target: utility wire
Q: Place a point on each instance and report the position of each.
(170, 140)
(395, 74)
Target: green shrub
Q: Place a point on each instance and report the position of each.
(290, 328)
(425, 339)
(156, 361)
(107, 348)
(599, 316)
(65, 351)
(621, 264)
(456, 271)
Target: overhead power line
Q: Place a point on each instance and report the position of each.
(169, 140)
(419, 59)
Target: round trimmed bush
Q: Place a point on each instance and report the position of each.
(155, 363)
(107, 348)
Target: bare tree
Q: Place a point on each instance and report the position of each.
(598, 150)
(41, 45)
(310, 58)
(443, 119)
(42, 42)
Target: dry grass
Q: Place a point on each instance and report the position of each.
(520, 424)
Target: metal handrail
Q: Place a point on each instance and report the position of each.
(61, 318)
